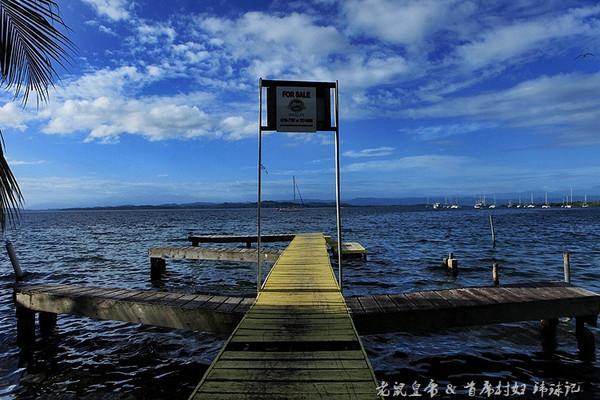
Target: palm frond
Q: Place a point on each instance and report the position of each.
(11, 198)
(30, 45)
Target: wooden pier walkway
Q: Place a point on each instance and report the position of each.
(297, 340)
(248, 239)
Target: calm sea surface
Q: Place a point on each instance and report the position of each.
(109, 359)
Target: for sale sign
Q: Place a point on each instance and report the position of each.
(296, 109)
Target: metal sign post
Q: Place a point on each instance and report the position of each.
(338, 213)
(297, 106)
(258, 202)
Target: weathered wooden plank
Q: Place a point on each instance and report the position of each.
(217, 254)
(291, 375)
(172, 310)
(286, 237)
(293, 355)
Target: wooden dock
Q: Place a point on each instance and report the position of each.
(215, 314)
(435, 310)
(350, 249)
(216, 254)
(297, 340)
(248, 239)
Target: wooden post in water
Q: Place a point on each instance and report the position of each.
(495, 275)
(548, 332)
(567, 266)
(586, 342)
(19, 274)
(451, 264)
(493, 231)
(47, 322)
(25, 326)
(157, 267)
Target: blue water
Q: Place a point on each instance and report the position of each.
(109, 359)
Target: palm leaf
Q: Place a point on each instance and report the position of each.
(11, 198)
(30, 44)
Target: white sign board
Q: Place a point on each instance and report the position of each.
(296, 109)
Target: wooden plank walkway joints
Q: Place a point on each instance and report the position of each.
(297, 340)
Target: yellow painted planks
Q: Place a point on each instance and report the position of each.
(297, 340)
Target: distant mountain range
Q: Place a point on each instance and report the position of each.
(501, 199)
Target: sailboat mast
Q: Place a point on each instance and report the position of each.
(294, 184)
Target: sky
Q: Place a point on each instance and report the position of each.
(158, 103)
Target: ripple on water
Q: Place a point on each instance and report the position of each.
(110, 359)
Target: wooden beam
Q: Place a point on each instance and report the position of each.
(470, 307)
(218, 254)
(196, 239)
(215, 314)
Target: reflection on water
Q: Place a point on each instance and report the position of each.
(111, 359)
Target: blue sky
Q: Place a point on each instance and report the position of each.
(438, 98)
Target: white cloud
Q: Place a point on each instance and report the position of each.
(407, 22)
(435, 132)
(298, 46)
(154, 32)
(13, 116)
(421, 162)
(112, 9)
(567, 102)
(509, 41)
(23, 162)
(107, 103)
(374, 152)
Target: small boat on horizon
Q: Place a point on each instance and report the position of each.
(546, 205)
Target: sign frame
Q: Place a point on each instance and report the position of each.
(323, 92)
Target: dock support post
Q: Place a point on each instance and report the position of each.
(495, 274)
(548, 332)
(493, 232)
(586, 343)
(19, 274)
(451, 264)
(567, 266)
(47, 322)
(157, 267)
(25, 326)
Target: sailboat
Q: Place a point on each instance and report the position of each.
(569, 203)
(531, 205)
(546, 205)
(494, 204)
(585, 203)
(295, 206)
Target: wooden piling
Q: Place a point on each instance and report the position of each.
(586, 343)
(450, 263)
(25, 326)
(157, 267)
(47, 322)
(19, 274)
(548, 333)
(493, 231)
(567, 266)
(495, 274)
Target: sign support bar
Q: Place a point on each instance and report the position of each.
(258, 202)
